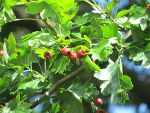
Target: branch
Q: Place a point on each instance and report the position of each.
(57, 85)
(45, 22)
(49, 26)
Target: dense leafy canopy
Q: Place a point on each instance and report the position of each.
(102, 36)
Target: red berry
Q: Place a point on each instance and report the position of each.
(65, 51)
(81, 54)
(47, 55)
(148, 7)
(73, 56)
(1, 52)
(100, 111)
(98, 101)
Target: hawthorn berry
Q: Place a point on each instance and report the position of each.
(73, 56)
(81, 54)
(98, 101)
(148, 7)
(47, 55)
(1, 52)
(65, 51)
(100, 111)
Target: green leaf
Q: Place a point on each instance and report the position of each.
(34, 7)
(71, 104)
(119, 97)
(83, 20)
(110, 6)
(36, 39)
(11, 43)
(14, 76)
(140, 56)
(137, 11)
(115, 83)
(16, 107)
(110, 30)
(2, 22)
(138, 37)
(55, 108)
(29, 85)
(66, 10)
(48, 11)
(85, 91)
(61, 65)
(41, 7)
(122, 13)
(106, 74)
(143, 24)
(102, 50)
(38, 76)
(8, 3)
(90, 65)
(5, 56)
(126, 82)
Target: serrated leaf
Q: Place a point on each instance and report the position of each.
(11, 43)
(140, 56)
(71, 104)
(16, 107)
(29, 85)
(119, 98)
(61, 65)
(122, 13)
(137, 11)
(126, 82)
(102, 50)
(106, 74)
(34, 7)
(90, 65)
(55, 108)
(115, 84)
(85, 91)
(66, 10)
(48, 11)
(143, 24)
(83, 20)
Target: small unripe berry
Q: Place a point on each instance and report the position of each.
(47, 55)
(81, 54)
(73, 56)
(148, 7)
(1, 52)
(98, 101)
(65, 51)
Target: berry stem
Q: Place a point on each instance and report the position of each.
(45, 66)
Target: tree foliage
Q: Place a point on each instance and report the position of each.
(25, 72)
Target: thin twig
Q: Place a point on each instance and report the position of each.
(49, 26)
(57, 85)
(96, 7)
(46, 23)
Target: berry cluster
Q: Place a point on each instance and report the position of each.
(73, 56)
(67, 52)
